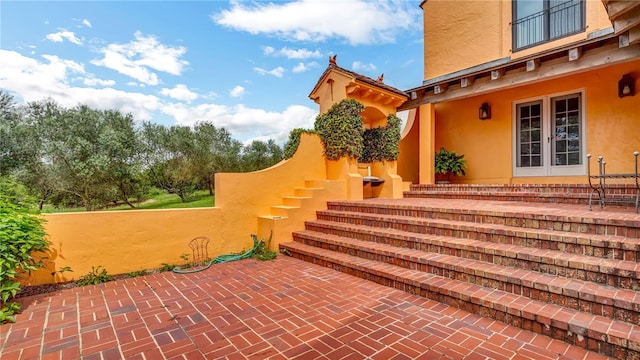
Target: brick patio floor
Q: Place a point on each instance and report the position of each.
(282, 309)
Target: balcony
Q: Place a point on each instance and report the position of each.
(552, 23)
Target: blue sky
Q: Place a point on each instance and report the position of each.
(247, 66)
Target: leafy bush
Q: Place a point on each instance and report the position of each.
(97, 275)
(381, 143)
(448, 162)
(292, 144)
(341, 131)
(21, 235)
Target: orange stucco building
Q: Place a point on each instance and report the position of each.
(557, 80)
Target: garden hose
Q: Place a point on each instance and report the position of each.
(224, 258)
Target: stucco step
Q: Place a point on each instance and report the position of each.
(294, 200)
(573, 293)
(272, 217)
(500, 213)
(306, 191)
(315, 183)
(590, 331)
(599, 246)
(282, 210)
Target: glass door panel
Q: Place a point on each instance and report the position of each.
(530, 134)
(566, 145)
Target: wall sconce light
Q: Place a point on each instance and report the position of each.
(626, 86)
(484, 113)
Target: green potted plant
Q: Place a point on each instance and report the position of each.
(448, 163)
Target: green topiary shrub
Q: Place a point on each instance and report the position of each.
(21, 235)
(381, 144)
(341, 131)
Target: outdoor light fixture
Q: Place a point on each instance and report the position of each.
(484, 113)
(626, 86)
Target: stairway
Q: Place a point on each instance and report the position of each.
(555, 269)
(540, 193)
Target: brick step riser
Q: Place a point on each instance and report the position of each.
(585, 302)
(572, 244)
(499, 197)
(576, 336)
(524, 221)
(613, 189)
(616, 277)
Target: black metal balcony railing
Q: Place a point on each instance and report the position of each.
(552, 23)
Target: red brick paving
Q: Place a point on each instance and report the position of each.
(282, 309)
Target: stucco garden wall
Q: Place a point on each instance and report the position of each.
(126, 241)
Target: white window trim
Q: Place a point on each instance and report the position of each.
(548, 170)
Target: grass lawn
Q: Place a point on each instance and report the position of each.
(158, 201)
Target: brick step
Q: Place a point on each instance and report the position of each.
(617, 273)
(573, 293)
(500, 213)
(546, 197)
(602, 246)
(593, 332)
(570, 190)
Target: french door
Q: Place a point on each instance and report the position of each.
(549, 136)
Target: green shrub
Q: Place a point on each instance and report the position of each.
(341, 131)
(448, 162)
(21, 236)
(292, 144)
(97, 275)
(381, 143)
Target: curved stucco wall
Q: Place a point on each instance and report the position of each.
(126, 241)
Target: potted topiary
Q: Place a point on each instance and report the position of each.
(448, 163)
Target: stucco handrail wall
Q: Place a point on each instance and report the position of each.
(126, 241)
(243, 197)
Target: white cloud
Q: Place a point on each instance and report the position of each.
(237, 91)
(277, 72)
(246, 123)
(180, 92)
(86, 23)
(33, 80)
(293, 53)
(91, 81)
(302, 67)
(63, 34)
(359, 66)
(320, 20)
(136, 58)
(268, 50)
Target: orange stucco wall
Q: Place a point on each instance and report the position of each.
(478, 32)
(408, 159)
(452, 31)
(612, 125)
(125, 241)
